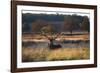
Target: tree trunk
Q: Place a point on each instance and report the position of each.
(71, 32)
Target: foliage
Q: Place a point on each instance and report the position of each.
(85, 24)
(48, 30)
(60, 22)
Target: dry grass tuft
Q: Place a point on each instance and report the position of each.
(68, 54)
(30, 54)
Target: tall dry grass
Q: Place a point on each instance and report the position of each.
(45, 54)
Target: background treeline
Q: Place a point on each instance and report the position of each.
(60, 22)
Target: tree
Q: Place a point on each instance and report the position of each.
(68, 23)
(50, 33)
(37, 25)
(85, 25)
(26, 27)
(71, 22)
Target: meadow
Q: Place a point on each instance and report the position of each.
(45, 54)
(34, 50)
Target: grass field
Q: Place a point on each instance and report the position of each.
(65, 53)
(45, 54)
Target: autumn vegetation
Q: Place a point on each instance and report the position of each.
(62, 28)
(45, 54)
